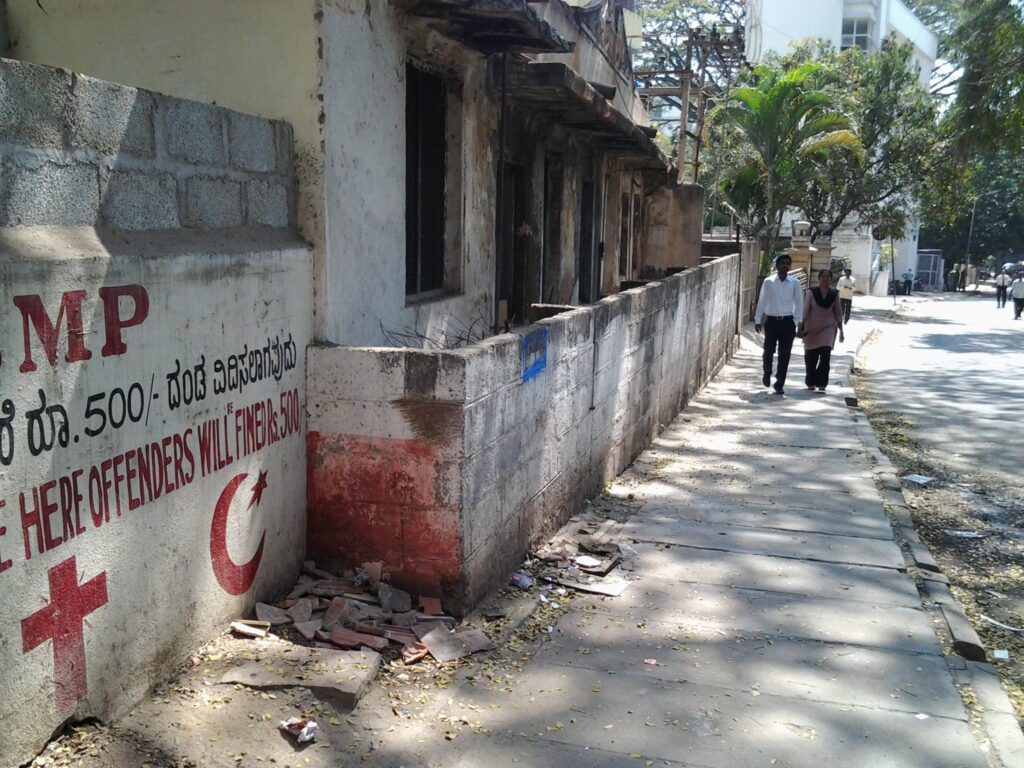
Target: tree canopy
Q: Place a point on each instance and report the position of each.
(894, 118)
(787, 128)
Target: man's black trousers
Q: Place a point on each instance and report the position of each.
(1000, 295)
(847, 305)
(778, 332)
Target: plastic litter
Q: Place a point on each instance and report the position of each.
(1001, 654)
(965, 534)
(918, 479)
(586, 561)
(1000, 624)
(250, 628)
(521, 580)
(302, 728)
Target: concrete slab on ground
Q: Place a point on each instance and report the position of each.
(801, 545)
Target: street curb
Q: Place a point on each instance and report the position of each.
(965, 640)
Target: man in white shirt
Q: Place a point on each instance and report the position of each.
(780, 309)
(1002, 283)
(1017, 292)
(846, 285)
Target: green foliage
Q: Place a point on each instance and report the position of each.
(780, 128)
(895, 119)
(991, 188)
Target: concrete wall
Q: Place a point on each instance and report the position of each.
(783, 21)
(447, 465)
(262, 61)
(152, 389)
(75, 151)
(673, 224)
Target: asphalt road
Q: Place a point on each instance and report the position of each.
(953, 365)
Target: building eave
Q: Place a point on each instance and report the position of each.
(489, 26)
(560, 94)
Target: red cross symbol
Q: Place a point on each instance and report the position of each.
(61, 621)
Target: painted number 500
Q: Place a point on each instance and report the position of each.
(117, 409)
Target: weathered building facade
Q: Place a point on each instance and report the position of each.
(357, 258)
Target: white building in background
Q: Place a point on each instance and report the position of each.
(774, 25)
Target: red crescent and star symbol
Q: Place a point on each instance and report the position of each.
(233, 578)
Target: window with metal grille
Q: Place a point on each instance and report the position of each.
(856, 33)
(425, 149)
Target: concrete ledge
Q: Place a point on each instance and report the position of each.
(965, 640)
(923, 558)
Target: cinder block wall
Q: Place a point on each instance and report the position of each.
(80, 152)
(152, 388)
(448, 465)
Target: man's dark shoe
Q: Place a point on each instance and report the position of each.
(767, 379)
(779, 390)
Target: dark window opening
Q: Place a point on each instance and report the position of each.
(587, 272)
(513, 245)
(624, 238)
(856, 33)
(551, 257)
(425, 150)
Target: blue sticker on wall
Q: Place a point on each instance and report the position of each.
(535, 353)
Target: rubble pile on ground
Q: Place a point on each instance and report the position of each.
(587, 556)
(360, 609)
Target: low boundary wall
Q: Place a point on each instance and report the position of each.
(447, 465)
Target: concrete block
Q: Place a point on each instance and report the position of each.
(49, 194)
(251, 142)
(482, 423)
(355, 373)
(285, 148)
(450, 385)
(213, 203)
(111, 118)
(193, 132)
(923, 558)
(33, 104)
(138, 201)
(421, 374)
(965, 640)
(266, 204)
(478, 477)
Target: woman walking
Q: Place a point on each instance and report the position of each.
(823, 317)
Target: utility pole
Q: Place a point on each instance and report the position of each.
(702, 44)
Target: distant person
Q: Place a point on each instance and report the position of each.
(1017, 293)
(952, 277)
(823, 318)
(780, 309)
(908, 282)
(846, 286)
(1003, 281)
(963, 277)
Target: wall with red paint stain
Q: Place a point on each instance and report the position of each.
(448, 465)
(152, 439)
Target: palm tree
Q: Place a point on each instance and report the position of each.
(787, 127)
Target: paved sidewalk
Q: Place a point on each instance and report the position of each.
(769, 594)
(769, 624)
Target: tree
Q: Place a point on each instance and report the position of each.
(989, 191)
(789, 128)
(668, 24)
(895, 120)
(982, 42)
